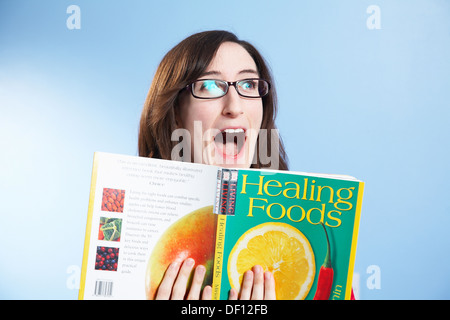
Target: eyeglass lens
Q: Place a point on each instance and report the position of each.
(252, 88)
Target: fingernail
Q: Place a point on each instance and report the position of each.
(190, 262)
(201, 269)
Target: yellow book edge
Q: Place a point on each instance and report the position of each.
(348, 293)
(88, 229)
(218, 256)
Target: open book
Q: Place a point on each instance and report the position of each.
(146, 213)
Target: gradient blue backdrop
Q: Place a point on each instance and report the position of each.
(369, 103)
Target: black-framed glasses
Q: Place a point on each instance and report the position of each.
(213, 88)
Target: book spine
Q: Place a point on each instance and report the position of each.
(81, 293)
(224, 191)
(354, 241)
(218, 191)
(218, 256)
(225, 206)
(232, 186)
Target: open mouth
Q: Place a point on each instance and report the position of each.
(230, 142)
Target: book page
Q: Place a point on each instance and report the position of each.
(133, 201)
(311, 174)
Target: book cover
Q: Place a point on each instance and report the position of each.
(145, 213)
(302, 228)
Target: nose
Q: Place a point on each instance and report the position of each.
(233, 103)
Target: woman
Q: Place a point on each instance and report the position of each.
(216, 93)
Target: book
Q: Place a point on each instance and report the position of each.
(146, 213)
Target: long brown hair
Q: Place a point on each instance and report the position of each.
(180, 66)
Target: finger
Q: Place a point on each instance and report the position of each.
(258, 283)
(179, 288)
(197, 281)
(207, 293)
(165, 288)
(247, 285)
(233, 294)
(269, 286)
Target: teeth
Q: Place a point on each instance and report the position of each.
(240, 130)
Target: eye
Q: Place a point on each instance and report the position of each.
(209, 85)
(249, 85)
(212, 86)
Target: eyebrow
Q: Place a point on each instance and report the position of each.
(216, 73)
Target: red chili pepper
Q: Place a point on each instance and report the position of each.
(325, 281)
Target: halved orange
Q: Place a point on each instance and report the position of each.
(279, 248)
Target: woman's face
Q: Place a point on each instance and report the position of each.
(224, 130)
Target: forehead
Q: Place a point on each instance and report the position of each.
(232, 59)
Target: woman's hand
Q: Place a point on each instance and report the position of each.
(173, 285)
(256, 284)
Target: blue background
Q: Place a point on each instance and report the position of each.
(369, 103)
